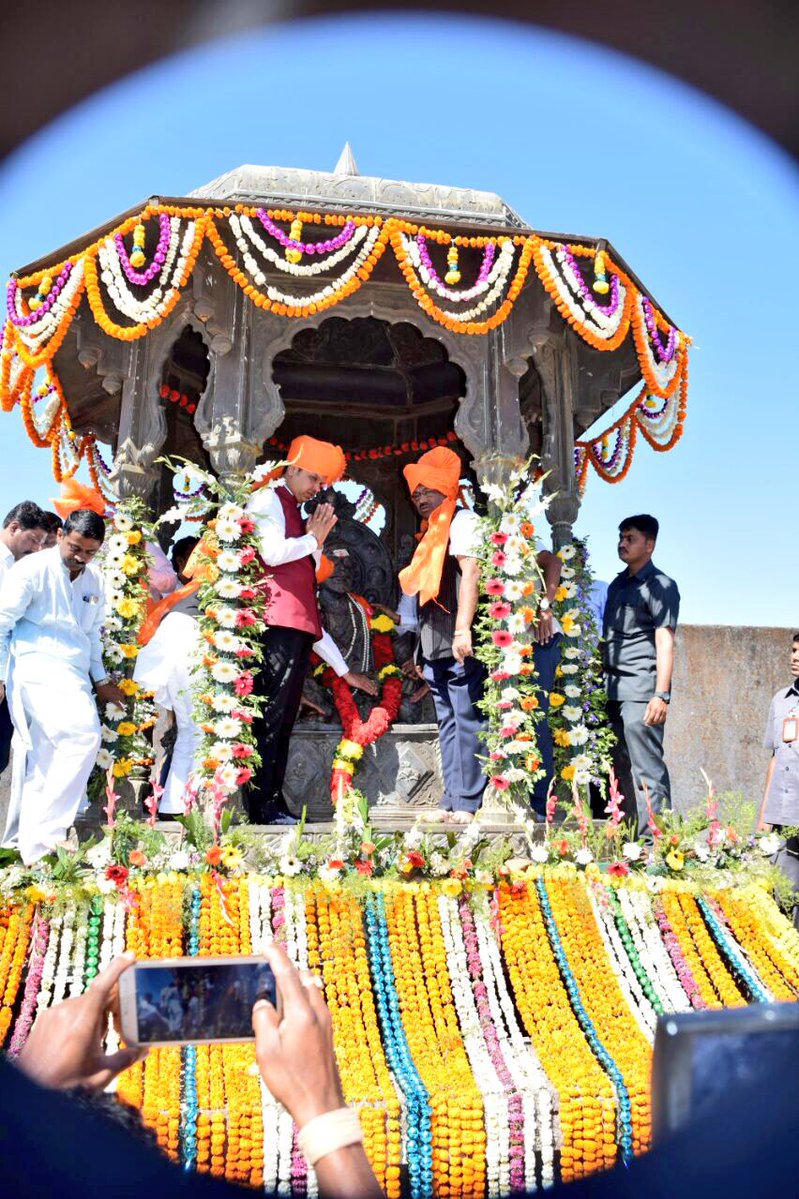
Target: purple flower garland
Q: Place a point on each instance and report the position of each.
(612, 304)
(141, 278)
(305, 247)
(664, 353)
(684, 972)
(485, 266)
(24, 322)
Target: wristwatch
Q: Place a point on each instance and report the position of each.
(664, 695)
(545, 605)
(102, 682)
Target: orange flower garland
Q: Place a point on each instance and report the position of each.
(777, 972)
(587, 1101)
(587, 334)
(12, 963)
(677, 920)
(723, 982)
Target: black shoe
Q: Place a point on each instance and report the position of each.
(284, 818)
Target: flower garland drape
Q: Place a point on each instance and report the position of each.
(577, 713)
(133, 277)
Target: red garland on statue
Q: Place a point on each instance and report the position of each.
(359, 733)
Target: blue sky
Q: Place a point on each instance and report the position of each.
(575, 138)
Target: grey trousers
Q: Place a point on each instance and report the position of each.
(638, 759)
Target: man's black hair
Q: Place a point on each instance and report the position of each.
(645, 524)
(182, 549)
(27, 515)
(795, 636)
(86, 523)
(52, 521)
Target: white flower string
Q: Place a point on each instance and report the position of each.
(641, 1008)
(79, 956)
(494, 282)
(584, 311)
(664, 975)
(47, 985)
(150, 309)
(65, 953)
(244, 231)
(36, 335)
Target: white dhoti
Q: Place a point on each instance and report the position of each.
(164, 667)
(55, 716)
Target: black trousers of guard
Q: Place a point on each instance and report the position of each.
(279, 682)
(6, 733)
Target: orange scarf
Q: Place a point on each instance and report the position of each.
(197, 573)
(422, 576)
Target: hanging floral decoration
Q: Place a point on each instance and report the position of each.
(132, 278)
(358, 733)
(577, 713)
(231, 599)
(384, 451)
(126, 746)
(512, 586)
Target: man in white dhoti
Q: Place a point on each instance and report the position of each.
(51, 610)
(164, 666)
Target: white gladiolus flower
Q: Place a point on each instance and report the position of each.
(439, 865)
(227, 588)
(632, 851)
(492, 492)
(514, 774)
(99, 855)
(228, 530)
(584, 857)
(226, 617)
(224, 672)
(539, 854)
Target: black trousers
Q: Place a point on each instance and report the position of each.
(6, 733)
(279, 682)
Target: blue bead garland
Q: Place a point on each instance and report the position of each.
(624, 1131)
(189, 1107)
(731, 953)
(419, 1131)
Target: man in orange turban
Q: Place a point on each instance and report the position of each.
(444, 575)
(290, 548)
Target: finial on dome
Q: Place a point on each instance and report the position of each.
(346, 164)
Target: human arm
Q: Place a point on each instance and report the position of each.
(65, 1046)
(295, 1055)
(550, 566)
(16, 592)
(274, 546)
(657, 709)
(329, 652)
(762, 826)
(160, 572)
(468, 596)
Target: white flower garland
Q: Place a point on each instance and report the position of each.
(500, 270)
(645, 1015)
(65, 954)
(35, 336)
(79, 956)
(504, 263)
(585, 312)
(653, 953)
(44, 998)
(497, 1124)
(244, 231)
(149, 310)
(664, 372)
(331, 289)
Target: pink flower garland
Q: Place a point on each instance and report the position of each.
(488, 1029)
(684, 972)
(39, 941)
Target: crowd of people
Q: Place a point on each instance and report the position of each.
(52, 611)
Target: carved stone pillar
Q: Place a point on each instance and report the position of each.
(556, 363)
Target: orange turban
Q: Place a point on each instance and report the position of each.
(325, 569)
(76, 496)
(438, 470)
(317, 457)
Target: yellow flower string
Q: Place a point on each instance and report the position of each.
(777, 972)
(723, 982)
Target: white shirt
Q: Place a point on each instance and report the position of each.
(276, 549)
(45, 613)
(6, 560)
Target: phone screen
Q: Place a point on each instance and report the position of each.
(193, 999)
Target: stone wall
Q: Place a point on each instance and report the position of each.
(724, 679)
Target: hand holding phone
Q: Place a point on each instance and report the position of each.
(179, 1001)
(65, 1046)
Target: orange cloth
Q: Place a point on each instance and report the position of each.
(325, 569)
(164, 606)
(317, 457)
(197, 573)
(438, 470)
(76, 496)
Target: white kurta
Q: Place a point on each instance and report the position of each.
(51, 624)
(276, 548)
(164, 666)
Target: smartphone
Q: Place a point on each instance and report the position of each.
(179, 1001)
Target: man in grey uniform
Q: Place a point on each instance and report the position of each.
(640, 621)
(780, 804)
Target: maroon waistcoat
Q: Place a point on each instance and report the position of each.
(291, 587)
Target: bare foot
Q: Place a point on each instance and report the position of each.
(460, 817)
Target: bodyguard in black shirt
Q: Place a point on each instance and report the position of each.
(639, 625)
